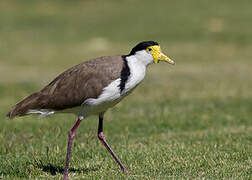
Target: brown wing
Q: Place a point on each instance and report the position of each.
(74, 86)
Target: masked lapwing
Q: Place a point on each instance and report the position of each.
(91, 88)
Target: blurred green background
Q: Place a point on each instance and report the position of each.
(192, 120)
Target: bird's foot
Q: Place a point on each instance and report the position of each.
(124, 170)
(66, 177)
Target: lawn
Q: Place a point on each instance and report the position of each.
(188, 121)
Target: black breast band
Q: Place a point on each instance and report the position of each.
(124, 74)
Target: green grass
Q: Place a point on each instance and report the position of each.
(190, 121)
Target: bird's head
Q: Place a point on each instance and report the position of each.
(150, 50)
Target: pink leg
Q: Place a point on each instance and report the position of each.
(70, 140)
(104, 142)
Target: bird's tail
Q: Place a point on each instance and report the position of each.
(20, 109)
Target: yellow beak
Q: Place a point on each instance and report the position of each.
(163, 57)
(158, 55)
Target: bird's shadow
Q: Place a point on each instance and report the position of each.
(54, 169)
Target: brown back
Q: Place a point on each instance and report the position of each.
(72, 87)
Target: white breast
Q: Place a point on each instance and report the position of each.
(137, 73)
(112, 94)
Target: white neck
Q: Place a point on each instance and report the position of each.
(144, 57)
(137, 64)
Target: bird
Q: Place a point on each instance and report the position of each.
(91, 88)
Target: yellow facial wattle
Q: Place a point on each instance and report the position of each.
(158, 55)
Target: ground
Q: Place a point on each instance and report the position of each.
(191, 120)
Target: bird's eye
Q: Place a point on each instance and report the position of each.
(149, 49)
